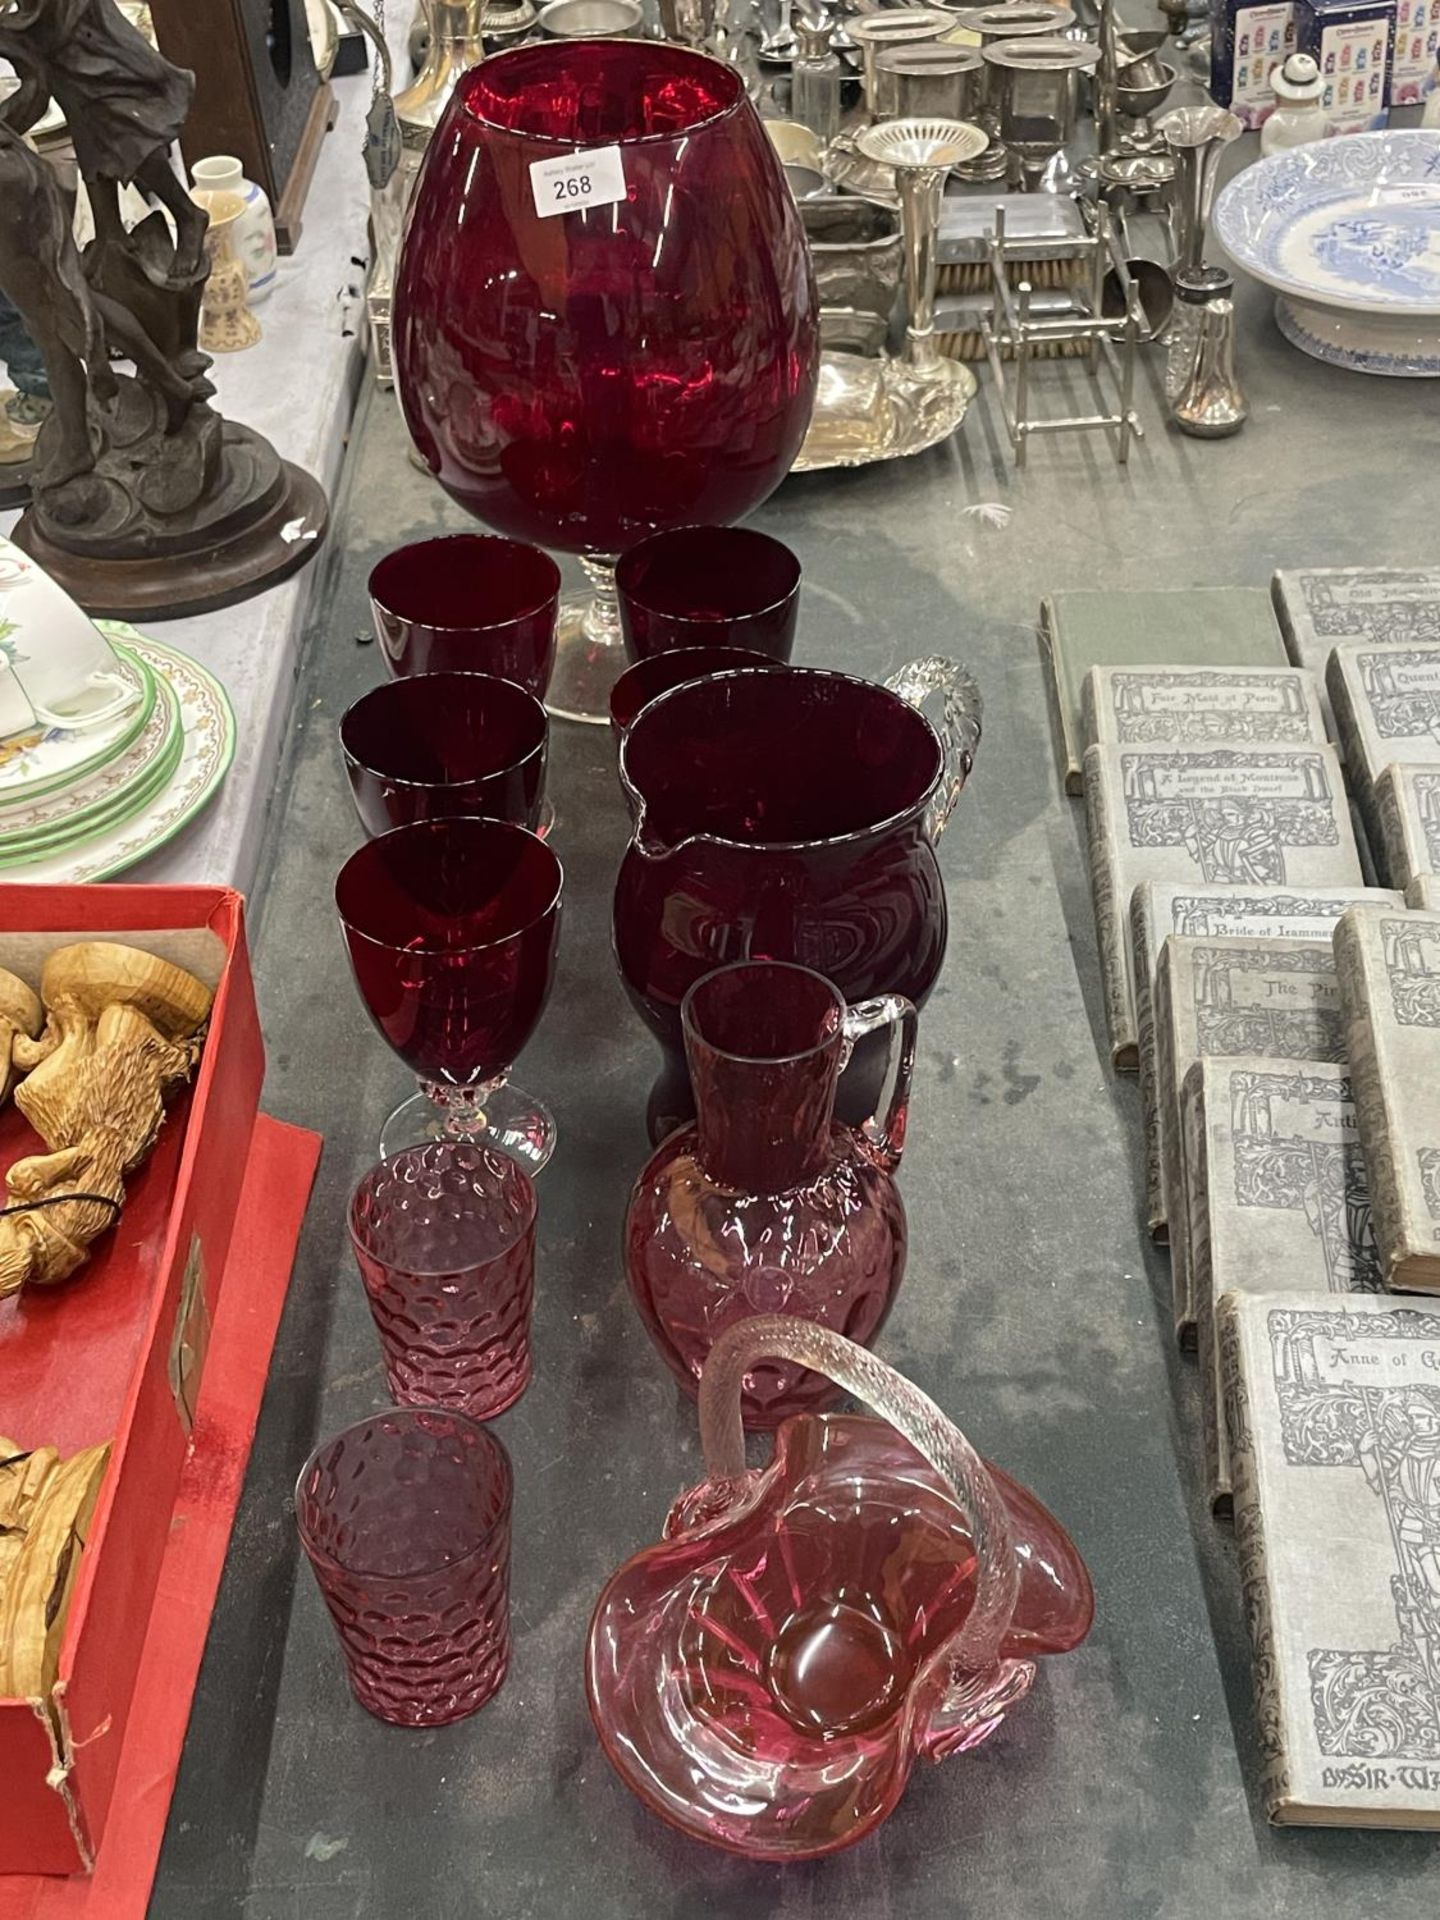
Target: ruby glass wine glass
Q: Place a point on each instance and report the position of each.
(589, 353)
(452, 927)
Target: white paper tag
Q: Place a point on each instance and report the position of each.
(576, 180)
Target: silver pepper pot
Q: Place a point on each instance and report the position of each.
(1193, 292)
(1210, 404)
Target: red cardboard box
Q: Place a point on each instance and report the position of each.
(262, 1252)
(117, 1352)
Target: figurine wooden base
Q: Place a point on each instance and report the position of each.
(219, 575)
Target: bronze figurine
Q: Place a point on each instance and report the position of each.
(144, 499)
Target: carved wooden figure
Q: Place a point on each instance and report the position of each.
(122, 1030)
(21, 1016)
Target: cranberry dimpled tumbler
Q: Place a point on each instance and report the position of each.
(605, 319)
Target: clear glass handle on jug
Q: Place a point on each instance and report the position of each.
(961, 711)
(886, 1138)
(973, 1667)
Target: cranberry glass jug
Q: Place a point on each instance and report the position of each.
(769, 1204)
(766, 1677)
(788, 815)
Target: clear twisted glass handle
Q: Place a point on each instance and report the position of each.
(976, 1648)
(886, 1138)
(961, 712)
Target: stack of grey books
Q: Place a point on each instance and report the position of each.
(1374, 634)
(1274, 979)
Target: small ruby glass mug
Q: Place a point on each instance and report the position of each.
(471, 602)
(703, 586)
(436, 745)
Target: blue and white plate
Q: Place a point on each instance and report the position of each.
(1347, 231)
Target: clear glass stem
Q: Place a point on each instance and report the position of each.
(589, 647)
(602, 617)
(462, 1109)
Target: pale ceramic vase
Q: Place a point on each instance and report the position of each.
(254, 238)
(226, 323)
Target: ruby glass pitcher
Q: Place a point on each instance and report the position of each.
(766, 1677)
(789, 815)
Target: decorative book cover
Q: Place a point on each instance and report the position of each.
(1406, 812)
(1204, 627)
(1276, 999)
(1387, 708)
(1215, 913)
(1201, 706)
(1389, 970)
(1333, 1413)
(1321, 608)
(1260, 817)
(1277, 1201)
(1423, 893)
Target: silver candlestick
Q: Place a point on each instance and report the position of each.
(1008, 20)
(1039, 98)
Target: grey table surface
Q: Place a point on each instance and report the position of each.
(1033, 1310)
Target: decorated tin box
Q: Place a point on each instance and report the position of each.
(1417, 38)
(1245, 43)
(1351, 42)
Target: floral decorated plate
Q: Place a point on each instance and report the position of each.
(209, 725)
(124, 783)
(1347, 231)
(107, 808)
(46, 759)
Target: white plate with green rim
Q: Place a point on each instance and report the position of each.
(113, 810)
(209, 747)
(132, 775)
(52, 758)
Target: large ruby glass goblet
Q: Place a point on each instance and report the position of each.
(585, 375)
(452, 927)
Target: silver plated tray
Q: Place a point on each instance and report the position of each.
(879, 409)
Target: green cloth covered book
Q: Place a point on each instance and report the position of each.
(1191, 626)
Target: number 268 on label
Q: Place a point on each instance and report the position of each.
(573, 181)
